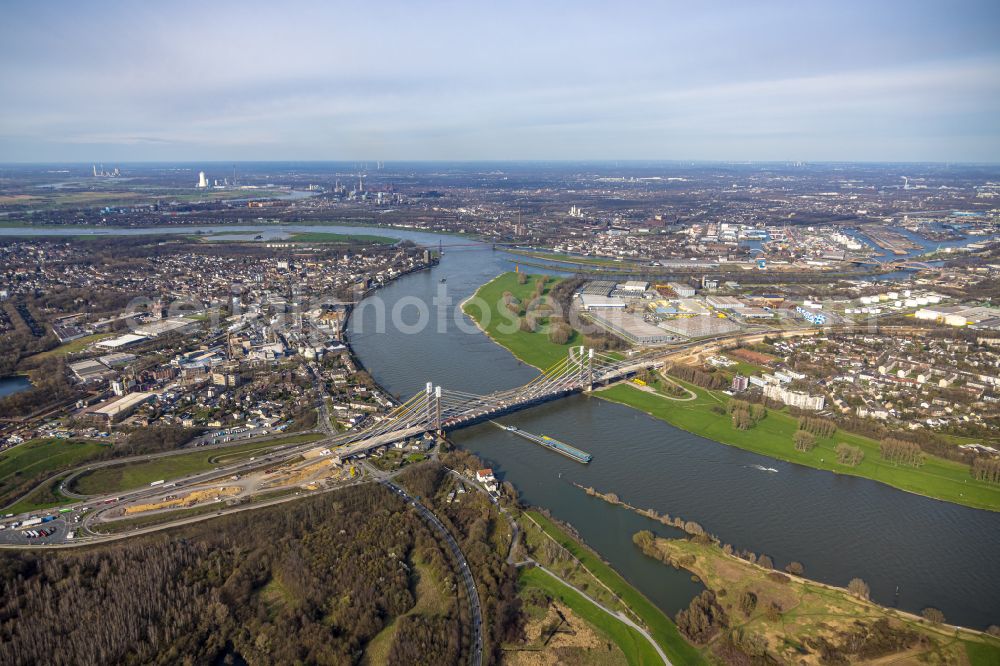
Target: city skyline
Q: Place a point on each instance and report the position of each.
(777, 82)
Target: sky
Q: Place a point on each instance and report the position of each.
(841, 80)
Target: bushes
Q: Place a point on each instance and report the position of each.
(901, 452)
(698, 377)
(748, 602)
(703, 618)
(804, 441)
(849, 455)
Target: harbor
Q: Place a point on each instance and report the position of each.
(563, 448)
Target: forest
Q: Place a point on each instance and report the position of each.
(313, 581)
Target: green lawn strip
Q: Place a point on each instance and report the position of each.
(37, 457)
(532, 348)
(73, 346)
(134, 475)
(329, 237)
(937, 477)
(983, 654)
(45, 496)
(663, 630)
(635, 646)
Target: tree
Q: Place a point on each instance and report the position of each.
(765, 562)
(804, 441)
(933, 615)
(859, 588)
(986, 469)
(795, 568)
(901, 452)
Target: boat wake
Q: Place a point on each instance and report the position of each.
(763, 469)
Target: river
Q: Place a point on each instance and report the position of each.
(934, 553)
(914, 552)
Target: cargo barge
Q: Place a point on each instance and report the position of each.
(563, 448)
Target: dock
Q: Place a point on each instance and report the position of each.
(563, 448)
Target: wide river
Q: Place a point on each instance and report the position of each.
(914, 552)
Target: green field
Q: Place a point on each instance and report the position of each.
(637, 649)
(73, 346)
(486, 308)
(663, 630)
(44, 496)
(37, 459)
(327, 237)
(937, 478)
(134, 475)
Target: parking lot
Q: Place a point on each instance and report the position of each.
(54, 531)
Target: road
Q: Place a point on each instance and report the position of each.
(476, 613)
(615, 614)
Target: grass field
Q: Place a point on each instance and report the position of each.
(663, 630)
(637, 650)
(809, 609)
(73, 346)
(38, 458)
(937, 478)
(486, 308)
(134, 475)
(325, 237)
(45, 496)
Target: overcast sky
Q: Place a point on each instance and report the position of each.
(213, 80)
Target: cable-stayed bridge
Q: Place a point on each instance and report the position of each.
(436, 409)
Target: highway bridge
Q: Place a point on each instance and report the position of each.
(438, 410)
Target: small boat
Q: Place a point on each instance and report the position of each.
(510, 428)
(444, 279)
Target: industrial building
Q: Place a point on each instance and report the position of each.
(631, 328)
(698, 327)
(115, 410)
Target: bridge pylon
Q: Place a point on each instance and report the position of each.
(437, 410)
(590, 369)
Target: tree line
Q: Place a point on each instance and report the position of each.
(308, 582)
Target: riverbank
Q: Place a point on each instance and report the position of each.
(487, 309)
(660, 627)
(759, 611)
(772, 436)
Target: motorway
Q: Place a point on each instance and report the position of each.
(282, 455)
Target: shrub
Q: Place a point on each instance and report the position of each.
(849, 455)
